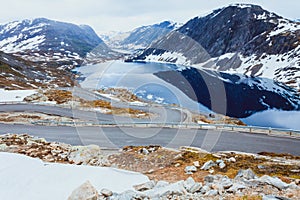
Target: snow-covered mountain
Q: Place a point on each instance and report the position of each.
(50, 42)
(140, 37)
(233, 95)
(240, 38)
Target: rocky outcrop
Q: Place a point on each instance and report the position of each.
(246, 183)
(52, 151)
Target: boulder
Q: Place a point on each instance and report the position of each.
(84, 192)
(274, 181)
(226, 183)
(170, 189)
(208, 165)
(191, 186)
(145, 186)
(235, 188)
(247, 174)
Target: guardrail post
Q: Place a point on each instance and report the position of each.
(270, 130)
(250, 129)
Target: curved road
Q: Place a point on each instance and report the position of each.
(116, 137)
(163, 114)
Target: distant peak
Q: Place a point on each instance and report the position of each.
(243, 5)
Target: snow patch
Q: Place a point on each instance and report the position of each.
(32, 179)
(14, 95)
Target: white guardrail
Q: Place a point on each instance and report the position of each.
(225, 127)
(221, 127)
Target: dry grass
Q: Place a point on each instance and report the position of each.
(121, 93)
(219, 119)
(60, 96)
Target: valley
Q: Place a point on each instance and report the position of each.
(214, 101)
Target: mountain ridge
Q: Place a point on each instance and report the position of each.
(240, 38)
(48, 41)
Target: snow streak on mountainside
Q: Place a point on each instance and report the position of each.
(240, 38)
(50, 42)
(140, 37)
(17, 73)
(232, 95)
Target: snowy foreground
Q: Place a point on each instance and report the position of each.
(32, 179)
(14, 95)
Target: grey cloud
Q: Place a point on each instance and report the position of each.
(104, 15)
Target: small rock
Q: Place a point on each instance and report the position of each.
(150, 171)
(226, 183)
(84, 192)
(211, 193)
(204, 189)
(129, 194)
(293, 185)
(3, 147)
(274, 181)
(261, 167)
(222, 165)
(160, 184)
(190, 169)
(235, 188)
(209, 179)
(145, 151)
(208, 165)
(196, 164)
(174, 189)
(246, 174)
(272, 197)
(177, 165)
(106, 192)
(191, 186)
(232, 159)
(145, 186)
(211, 171)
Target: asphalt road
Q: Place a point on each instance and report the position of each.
(162, 114)
(116, 137)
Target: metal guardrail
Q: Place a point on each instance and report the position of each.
(224, 127)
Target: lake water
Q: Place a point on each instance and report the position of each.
(140, 79)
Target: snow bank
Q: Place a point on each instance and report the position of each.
(275, 119)
(14, 95)
(31, 179)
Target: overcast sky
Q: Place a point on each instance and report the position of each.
(124, 15)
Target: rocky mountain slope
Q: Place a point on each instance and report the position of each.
(230, 94)
(140, 37)
(17, 73)
(51, 43)
(240, 38)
